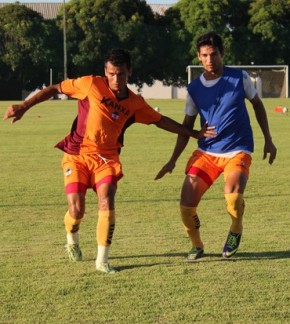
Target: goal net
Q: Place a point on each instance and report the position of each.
(271, 81)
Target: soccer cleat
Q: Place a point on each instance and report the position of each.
(194, 254)
(105, 268)
(74, 252)
(232, 244)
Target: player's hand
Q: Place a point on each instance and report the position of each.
(207, 131)
(15, 112)
(272, 150)
(167, 168)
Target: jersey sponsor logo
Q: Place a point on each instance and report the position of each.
(109, 103)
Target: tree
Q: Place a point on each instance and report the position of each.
(25, 58)
(270, 22)
(228, 18)
(94, 27)
(242, 24)
(173, 47)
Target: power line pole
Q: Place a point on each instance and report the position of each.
(64, 44)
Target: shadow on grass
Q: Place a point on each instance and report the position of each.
(263, 255)
(246, 256)
(210, 257)
(238, 256)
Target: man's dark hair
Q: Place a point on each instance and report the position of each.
(118, 57)
(210, 39)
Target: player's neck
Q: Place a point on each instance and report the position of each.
(122, 94)
(214, 74)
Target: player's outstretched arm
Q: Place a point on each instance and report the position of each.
(181, 143)
(172, 126)
(17, 111)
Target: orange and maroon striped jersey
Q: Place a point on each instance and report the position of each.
(102, 119)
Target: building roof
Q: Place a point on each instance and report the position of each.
(160, 8)
(47, 9)
(50, 10)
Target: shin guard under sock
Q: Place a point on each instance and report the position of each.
(191, 225)
(235, 207)
(105, 227)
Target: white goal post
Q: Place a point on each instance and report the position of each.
(271, 81)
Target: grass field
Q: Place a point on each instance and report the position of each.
(155, 284)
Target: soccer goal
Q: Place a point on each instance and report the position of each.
(271, 81)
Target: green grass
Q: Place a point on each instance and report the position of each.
(155, 285)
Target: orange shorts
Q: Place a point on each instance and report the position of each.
(209, 167)
(90, 171)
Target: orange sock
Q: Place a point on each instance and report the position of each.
(71, 224)
(105, 227)
(191, 225)
(235, 207)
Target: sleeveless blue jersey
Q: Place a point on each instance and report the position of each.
(223, 106)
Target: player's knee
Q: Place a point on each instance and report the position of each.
(235, 204)
(106, 202)
(76, 212)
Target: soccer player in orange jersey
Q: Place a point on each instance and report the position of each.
(106, 107)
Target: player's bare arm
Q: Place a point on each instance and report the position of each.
(16, 112)
(180, 145)
(172, 126)
(261, 116)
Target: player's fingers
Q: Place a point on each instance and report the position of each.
(159, 175)
(271, 160)
(265, 155)
(209, 134)
(212, 132)
(6, 116)
(272, 157)
(162, 173)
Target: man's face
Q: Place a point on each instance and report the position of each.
(211, 58)
(117, 77)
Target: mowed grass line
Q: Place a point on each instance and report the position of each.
(155, 285)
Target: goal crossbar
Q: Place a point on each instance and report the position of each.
(273, 80)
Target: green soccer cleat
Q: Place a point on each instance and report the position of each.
(232, 244)
(194, 254)
(74, 252)
(105, 268)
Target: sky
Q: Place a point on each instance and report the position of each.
(148, 1)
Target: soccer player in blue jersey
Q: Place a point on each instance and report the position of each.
(218, 97)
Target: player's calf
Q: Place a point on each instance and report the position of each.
(72, 247)
(235, 208)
